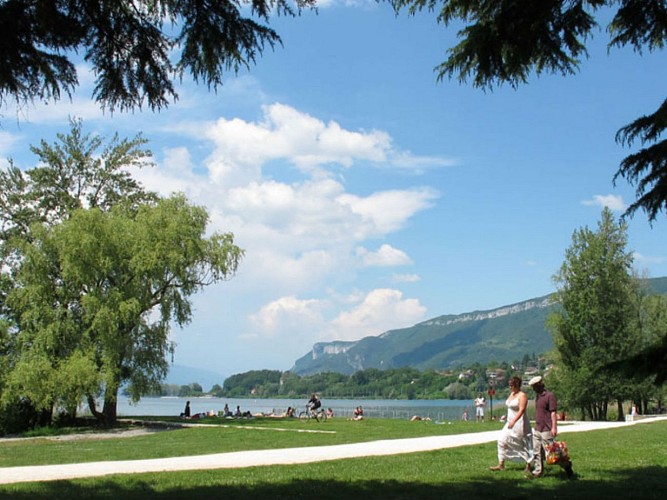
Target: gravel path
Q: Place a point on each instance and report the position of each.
(274, 457)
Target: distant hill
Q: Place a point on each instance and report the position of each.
(185, 375)
(450, 341)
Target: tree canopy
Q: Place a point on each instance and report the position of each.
(504, 41)
(137, 48)
(598, 321)
(95, 270)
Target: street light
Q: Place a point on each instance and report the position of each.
(491, 392)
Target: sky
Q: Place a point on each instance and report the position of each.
(368, 195)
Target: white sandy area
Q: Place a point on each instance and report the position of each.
(283, 456)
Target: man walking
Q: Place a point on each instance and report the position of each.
(546, 426)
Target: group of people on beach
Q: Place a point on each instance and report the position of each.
(224, 413)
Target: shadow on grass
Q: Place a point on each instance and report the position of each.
(637, 483)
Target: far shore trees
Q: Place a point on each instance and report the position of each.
(94, 271)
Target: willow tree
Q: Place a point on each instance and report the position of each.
(595, 323)
(95, 270)
(95, 297)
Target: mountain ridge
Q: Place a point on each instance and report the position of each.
(448, 341)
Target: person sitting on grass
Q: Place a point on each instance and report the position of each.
(358, 413)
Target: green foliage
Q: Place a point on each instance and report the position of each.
(401, 383)
(136, 48)
(647, 168)
(95, 272)
(190, 390)
(596, 321)
(251, 383)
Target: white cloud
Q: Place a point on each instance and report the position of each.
(385, 256)
(387, 211)
(287, 313)
(405, 278)
(611, 201)
(7, 141)
(381, 310)
(647, 260)
(292, 320)
(290, 135)
(301, 140)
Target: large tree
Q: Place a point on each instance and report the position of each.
(137, 48)
(595, 323)
(504, 41)
(77, 171)
(95, 271)
(95, 296)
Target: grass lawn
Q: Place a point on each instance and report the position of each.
(630, 462)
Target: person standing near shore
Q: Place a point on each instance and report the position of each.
(480, 403)
(546, 426)
(186, 411)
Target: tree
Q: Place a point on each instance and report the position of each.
(503, 41)
(95, 297)
(78, 171)
(595, 323)
(649, 360)
(94, 281)
(136, 47)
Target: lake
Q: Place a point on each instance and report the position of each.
(440, 410)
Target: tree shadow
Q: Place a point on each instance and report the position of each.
(636, 483)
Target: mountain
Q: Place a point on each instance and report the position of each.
(185, 375)
(503, 334)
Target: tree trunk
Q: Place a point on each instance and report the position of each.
(92, 406)
(619, 405)
(110, 408)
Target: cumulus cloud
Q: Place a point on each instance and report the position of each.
(387, 211)
(291, 318)
(299, 230)
(303, 141)
(385, 256)
(285, 133)
(613, 202)
(381, 310)
(288, 313)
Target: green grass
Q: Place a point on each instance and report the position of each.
(622, 463)
(223, 436)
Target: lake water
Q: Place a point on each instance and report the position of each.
(441, 410)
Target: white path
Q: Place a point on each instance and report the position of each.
(274, 457)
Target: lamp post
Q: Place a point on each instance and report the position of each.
(491, 392)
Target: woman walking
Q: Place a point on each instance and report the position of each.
(516, 439)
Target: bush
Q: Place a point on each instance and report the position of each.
(20, 416)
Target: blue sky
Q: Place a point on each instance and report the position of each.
(367, 195)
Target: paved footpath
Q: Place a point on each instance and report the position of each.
(274, 457)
